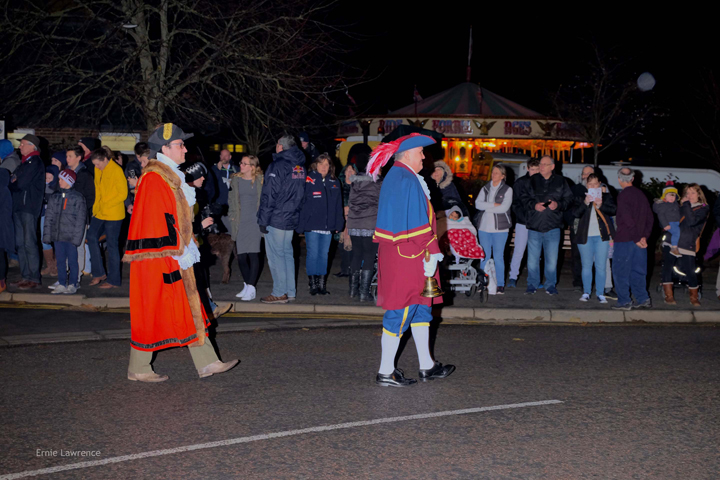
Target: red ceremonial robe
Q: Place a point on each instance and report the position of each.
(405, 229)
(165, 308)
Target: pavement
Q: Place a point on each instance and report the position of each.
(512, 307)
(526, 402)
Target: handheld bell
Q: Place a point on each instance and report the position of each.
(431, 289)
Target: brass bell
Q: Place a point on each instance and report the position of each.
(431, 289)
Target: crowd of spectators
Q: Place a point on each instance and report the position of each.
(74, 209)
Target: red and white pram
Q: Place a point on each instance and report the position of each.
(461, 239)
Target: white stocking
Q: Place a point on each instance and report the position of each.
(421, 335)
(390, 346)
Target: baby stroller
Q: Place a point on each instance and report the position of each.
(463, 276)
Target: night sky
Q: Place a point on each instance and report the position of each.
(525, 55)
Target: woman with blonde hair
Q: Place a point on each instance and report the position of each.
(244, 200)
(694, 212)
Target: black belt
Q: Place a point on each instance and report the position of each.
(172, 277)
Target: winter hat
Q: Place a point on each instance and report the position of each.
(195, 171)
(6, 148)
(62, 157)
(304, 137)
(32, 139)
(91, 143)
(669, 188)
(54, 171)
(69, 176)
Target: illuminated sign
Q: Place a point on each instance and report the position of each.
(348, 128)
(458, 127)
(518, 128)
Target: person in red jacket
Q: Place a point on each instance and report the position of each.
(165, 307)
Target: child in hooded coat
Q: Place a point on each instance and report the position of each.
(65, 220)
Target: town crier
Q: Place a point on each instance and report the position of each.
(405, 229)
(165, 308)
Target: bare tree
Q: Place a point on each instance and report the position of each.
(702, 108)
(604, 105)
(252, 66)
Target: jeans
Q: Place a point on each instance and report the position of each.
(630, 272)
(112, 235)
(278, 244)
(318, 246)
(83, 256)
(548, 243)
(595, 251)
(494, 246)
(26, 242)
(66, 255)
(46, 246)
(674, 233)
(521, 238)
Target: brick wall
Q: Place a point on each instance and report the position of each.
(62, 138)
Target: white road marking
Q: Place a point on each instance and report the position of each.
(268, 436)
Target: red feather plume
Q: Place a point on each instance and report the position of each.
(382, 154)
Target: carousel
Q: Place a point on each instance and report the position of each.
(478, 127)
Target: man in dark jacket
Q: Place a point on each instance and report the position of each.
(28, 191)
(521, 232)
(546, 198)
(634, 224)
(279, 215)
(308, 148)
(217, 186)
(85, 185)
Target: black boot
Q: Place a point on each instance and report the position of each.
(365, 281)
(321, 285)
(354, 284)
(312, 282)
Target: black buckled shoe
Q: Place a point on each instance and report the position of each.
(437, 371)
(395, 379)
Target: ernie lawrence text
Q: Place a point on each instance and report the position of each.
(66, 453)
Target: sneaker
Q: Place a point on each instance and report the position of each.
(291, 299)
(249, 294)
(70, 290)
(551, 290)
(626, 307)
(243, 291)
(675, 252)
(611, 294)
(59, 289)
(512, 283)
(646, 304)
(585, 297)
(272, 299)
(52, 287)
(500, 291)
(540, 287)
(530, 290)
(602, 299)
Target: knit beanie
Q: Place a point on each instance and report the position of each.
(195, 171)
(669, 188)
(69, 176)
(62, 157)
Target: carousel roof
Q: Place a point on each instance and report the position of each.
(468, 99)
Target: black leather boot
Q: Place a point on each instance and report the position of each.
(365, 281)
(321, 285)
(312, 282)
(354, 284)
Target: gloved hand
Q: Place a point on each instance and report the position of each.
(263, 229)
(431, 265)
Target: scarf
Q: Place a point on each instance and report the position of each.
(31, 154)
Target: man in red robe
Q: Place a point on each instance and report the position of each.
(165, 308)
(405, 230)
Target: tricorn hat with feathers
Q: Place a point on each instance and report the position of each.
(383, 152)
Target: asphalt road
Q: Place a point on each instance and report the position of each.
(637, 402)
